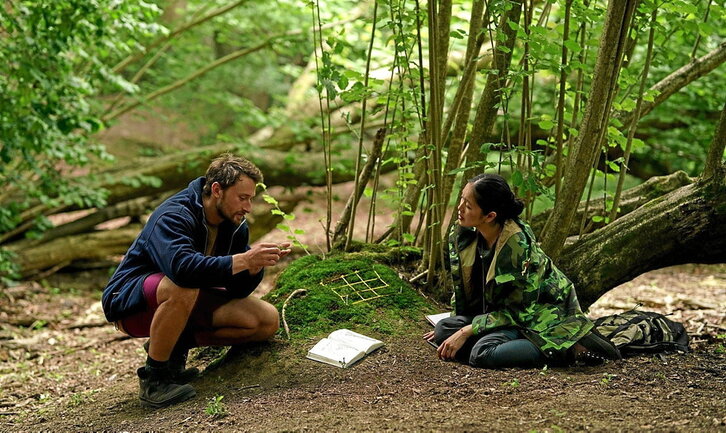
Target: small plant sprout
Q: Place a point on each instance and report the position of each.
(284, 226)
(607, 378)
(514, 383)
(215, 408)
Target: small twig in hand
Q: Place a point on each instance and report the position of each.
(284, 322)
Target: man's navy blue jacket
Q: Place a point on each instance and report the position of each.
(172, 242)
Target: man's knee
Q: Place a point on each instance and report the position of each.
(180, 297)
(269, 319)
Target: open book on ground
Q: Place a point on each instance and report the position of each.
(343, 348)
(434, 318)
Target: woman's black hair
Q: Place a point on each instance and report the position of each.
(492, 193)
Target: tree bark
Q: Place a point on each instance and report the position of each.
(587, 145)
(714, 167)
(687, 225)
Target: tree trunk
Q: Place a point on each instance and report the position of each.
(714, 167)
(587, 145)
(63, 251)
(486, 112)
(175, 171)
(687, 225)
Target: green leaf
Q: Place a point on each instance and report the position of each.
(613, 166)
(269, 199)
(572, 46)
(500, 279)
(546, 124)
(517, 178)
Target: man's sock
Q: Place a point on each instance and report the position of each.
(156, 365)
(186, 341)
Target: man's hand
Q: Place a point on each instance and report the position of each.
(447, 350)
(259, 256)
(284, 249)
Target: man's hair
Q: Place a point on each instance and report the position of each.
(226, 169)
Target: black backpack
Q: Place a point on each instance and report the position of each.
(637, 331)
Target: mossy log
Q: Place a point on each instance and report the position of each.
(175, 171)
(687, 225)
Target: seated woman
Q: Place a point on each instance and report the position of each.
(513, 307)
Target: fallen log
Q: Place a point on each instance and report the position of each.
(47, 257)
(687, 225)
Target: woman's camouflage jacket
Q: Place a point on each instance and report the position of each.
(522, 288)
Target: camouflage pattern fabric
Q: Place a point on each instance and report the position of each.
(523, 288)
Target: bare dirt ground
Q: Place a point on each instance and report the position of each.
(63, 369)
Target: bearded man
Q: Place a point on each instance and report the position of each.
(186, 279)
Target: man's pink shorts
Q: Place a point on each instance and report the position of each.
(209, 299)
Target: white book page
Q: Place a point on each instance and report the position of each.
(359, 341)
(334, 353)
(435, 318)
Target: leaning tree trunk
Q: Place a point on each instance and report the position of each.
(631, 199)
(687, 225)
(587, 144)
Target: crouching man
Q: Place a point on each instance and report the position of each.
(186, 279)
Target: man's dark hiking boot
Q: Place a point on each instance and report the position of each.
(156, 388)
(177, 365)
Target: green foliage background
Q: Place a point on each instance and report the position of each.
(60, 74)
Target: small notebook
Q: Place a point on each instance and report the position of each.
(435, 318)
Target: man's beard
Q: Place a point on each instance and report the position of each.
(225, 216)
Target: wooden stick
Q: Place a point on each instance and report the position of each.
(284, 322)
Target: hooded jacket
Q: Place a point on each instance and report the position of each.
(522, 288)
(172, 242)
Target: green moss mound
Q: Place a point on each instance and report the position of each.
(321, 310)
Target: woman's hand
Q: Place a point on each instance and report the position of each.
(447, 350)
(429, 336)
